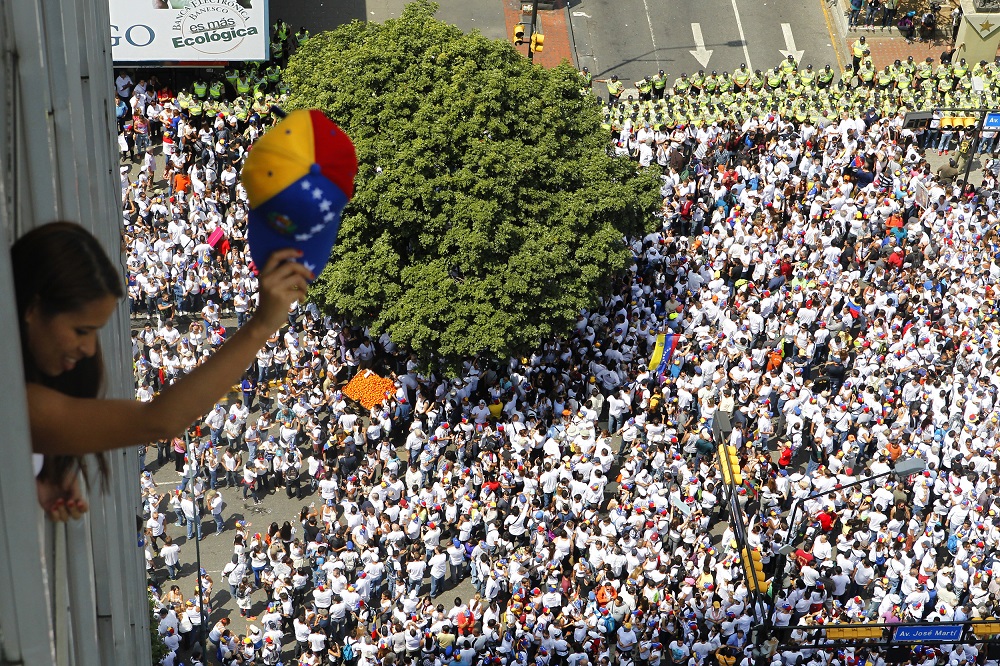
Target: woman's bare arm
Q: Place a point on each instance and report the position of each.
(63, 425)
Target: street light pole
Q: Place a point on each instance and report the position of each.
(973, 145)
(192, 456)
(739, 531)
(534, 24)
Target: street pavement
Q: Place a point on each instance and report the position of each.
(632, 38)
(888, 44)
(319, 15)
(487, 17)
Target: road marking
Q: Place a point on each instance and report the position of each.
(652, 37)
(581, 14)
(789, 50)
(739, 26)
(834, 40)
(701, 54)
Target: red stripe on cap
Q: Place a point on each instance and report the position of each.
(334, 152)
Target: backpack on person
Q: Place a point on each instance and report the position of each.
(686, 209)
(347, 652)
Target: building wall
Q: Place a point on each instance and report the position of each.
(73, 594)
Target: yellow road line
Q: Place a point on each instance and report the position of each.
(833, 40)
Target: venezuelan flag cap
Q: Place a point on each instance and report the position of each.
(299, 176)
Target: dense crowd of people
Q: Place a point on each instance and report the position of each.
(825, 304)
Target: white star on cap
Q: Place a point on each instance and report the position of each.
(309, 234)
(310, 266)
(329, 217)
(317, 194)
(324, 205)
(305, 185)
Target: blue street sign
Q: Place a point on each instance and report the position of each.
(992, 121)
(944, 633)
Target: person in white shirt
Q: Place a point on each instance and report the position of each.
(124, 85)
(216, 504)
(415, 575)
(154, 526)
(456, 562)
(171, 557)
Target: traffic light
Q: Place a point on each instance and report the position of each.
(853, 632)
(729, 465)
(756, 580)
(537, 42)
(986, 629)
(959, 122)
(519, 33)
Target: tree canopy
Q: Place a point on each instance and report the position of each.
(488, 211)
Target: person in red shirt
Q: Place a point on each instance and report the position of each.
(786, 268)
(896, 258)
(785, 458)
(465, 622)
(827, 519)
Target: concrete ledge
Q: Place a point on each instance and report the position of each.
(840, 9)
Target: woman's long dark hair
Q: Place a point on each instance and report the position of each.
(60, 267)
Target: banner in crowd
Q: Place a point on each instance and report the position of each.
(188, 30)
(920, 194)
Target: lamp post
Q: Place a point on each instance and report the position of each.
(192, 455)
(534, 25)
(902, 468)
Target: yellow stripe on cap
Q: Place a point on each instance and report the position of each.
(280, 157)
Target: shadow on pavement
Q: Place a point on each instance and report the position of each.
(318, 15)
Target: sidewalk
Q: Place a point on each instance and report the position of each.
(553, 23)
(889, 45)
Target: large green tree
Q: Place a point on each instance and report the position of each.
(488, 210)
